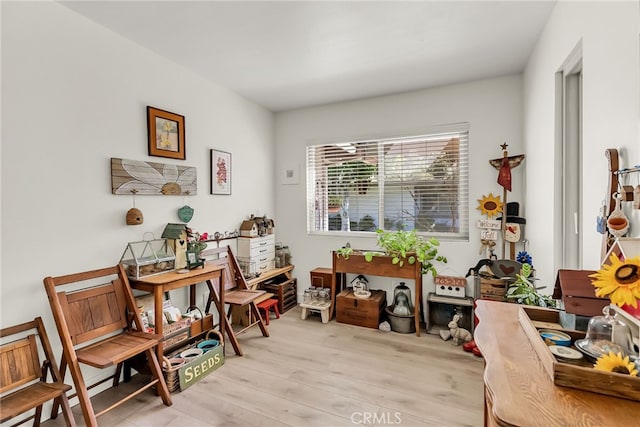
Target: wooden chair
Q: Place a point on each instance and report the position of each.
(236, 293)
(22, 374)
(93, 324)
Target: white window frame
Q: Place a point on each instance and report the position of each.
(438, 133)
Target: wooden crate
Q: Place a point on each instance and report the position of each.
(579, 375)
(285, 293)
(493, 289)
(360, 311)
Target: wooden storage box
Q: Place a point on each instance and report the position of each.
(493, 289)
(285, 293)
(360, 311)
(579, 375)
(578, 294)
(201, 325)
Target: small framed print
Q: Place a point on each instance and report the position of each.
(166, 134)
(290, 174)
(220, 172)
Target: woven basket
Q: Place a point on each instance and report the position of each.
(170, 370)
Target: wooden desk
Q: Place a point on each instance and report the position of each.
(158, 285)
(519, 392)
(380, 265)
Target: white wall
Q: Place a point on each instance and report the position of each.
(611, 100)
(74, 95)
(491, 107)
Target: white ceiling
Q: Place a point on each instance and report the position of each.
(286, 55)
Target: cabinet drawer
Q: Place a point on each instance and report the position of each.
(265, 266)
(247, 244)
(262, 251)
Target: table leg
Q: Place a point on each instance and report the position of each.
(158, 315)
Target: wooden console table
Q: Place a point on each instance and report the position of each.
(161, 283)
(519, 392)
(379, 266)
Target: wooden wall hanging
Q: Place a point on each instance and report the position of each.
(148, 178)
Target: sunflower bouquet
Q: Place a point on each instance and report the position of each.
(619, 281)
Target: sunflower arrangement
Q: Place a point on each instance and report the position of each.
(613, 362)
(620, 281)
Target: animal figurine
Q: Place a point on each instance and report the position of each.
(459, 335)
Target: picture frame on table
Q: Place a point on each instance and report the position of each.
(220, 172)
(166, 134)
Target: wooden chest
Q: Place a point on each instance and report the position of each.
(358, 311)
(285, 292)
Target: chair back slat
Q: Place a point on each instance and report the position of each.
(233, 277)
(19, 363)
(94, 312)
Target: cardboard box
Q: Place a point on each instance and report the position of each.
(360, 311)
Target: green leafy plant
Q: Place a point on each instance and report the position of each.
(403, 246)
(522, 291)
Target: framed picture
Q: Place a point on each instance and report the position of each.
(166, 134)
(290, 174)
(220, 172)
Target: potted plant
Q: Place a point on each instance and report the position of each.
(403, 247)
(522, 291)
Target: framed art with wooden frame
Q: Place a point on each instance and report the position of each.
(166, 134)
(220, 172)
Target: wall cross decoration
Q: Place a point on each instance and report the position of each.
(148, 178)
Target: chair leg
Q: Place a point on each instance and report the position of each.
(83, 395)
(157, 373)
(37, 416)
(213, 297)
(256, 312)
(116, 375)
(66, 411)
(56, 401)
(275, 308)
(265, 315)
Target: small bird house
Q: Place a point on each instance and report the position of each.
(176, 234)
(249, 228)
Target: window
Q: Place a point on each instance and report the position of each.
(418, 182)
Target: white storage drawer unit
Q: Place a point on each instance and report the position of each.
(259, 253)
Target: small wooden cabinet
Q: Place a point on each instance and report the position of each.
(257, 254)
(321, 278)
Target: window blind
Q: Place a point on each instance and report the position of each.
(418, 182)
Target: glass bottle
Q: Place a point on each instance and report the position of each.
(287, 255)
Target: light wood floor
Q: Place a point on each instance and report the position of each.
(312, 374)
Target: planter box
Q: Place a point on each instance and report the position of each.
(380, 265)
(360, 311)
(579, 375)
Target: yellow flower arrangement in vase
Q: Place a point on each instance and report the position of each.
(619, 281)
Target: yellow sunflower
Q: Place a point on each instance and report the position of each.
(490, 205)
(616, 363)
(620, 281)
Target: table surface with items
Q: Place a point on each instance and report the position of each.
(518, 390)
(161, 283)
